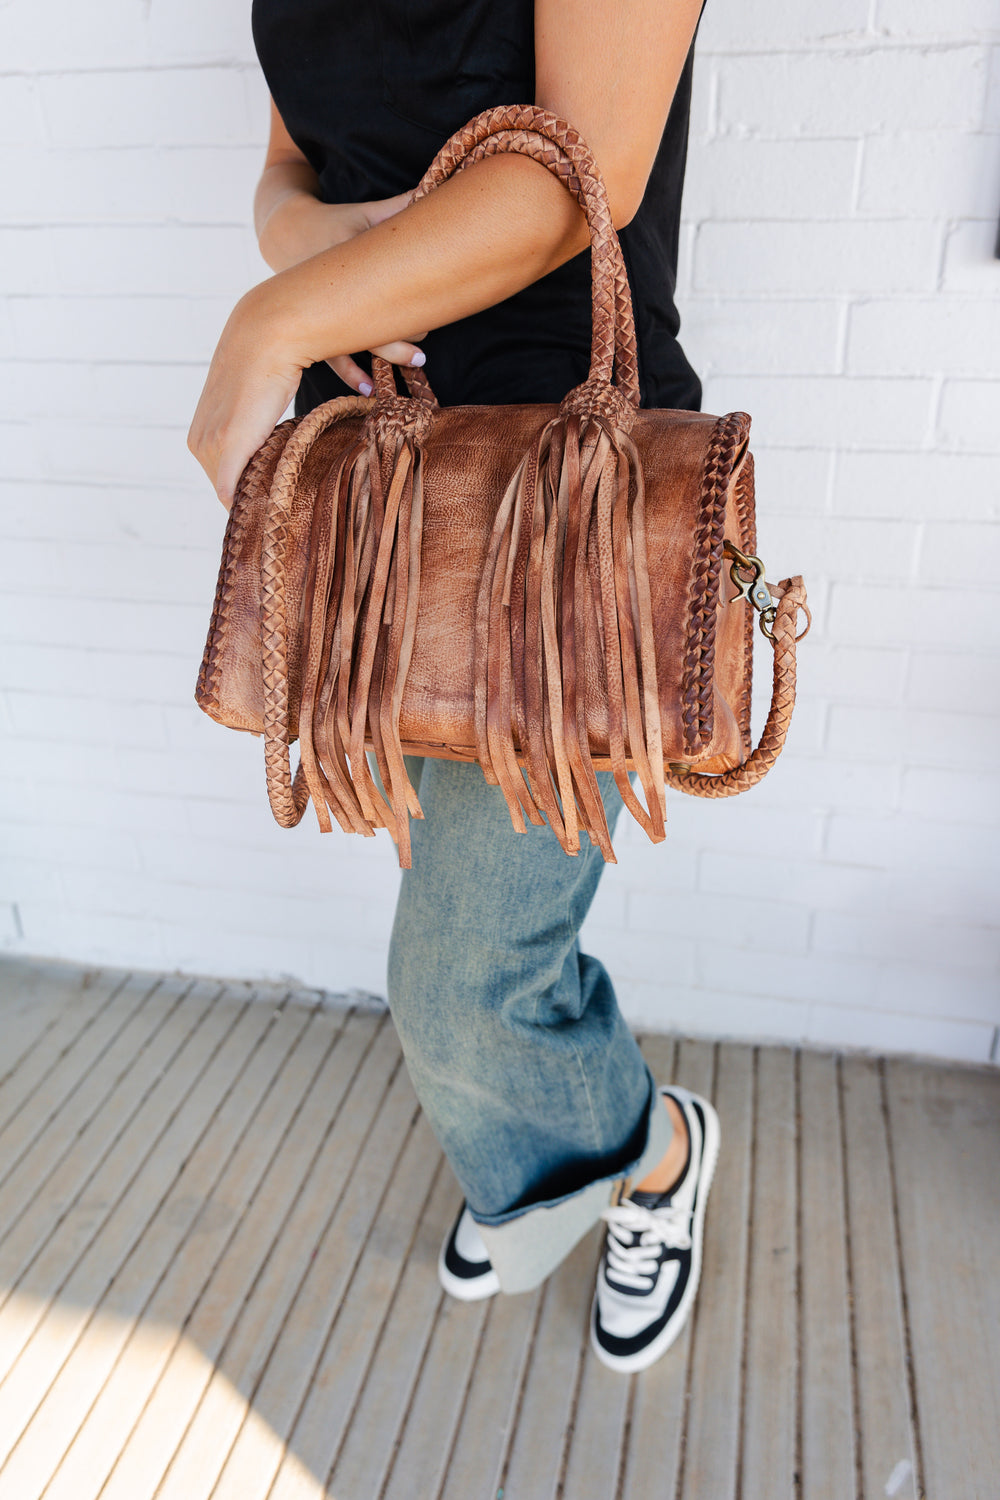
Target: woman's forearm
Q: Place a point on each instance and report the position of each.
(492, 229)
(285, 203)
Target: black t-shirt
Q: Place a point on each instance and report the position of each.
(369, 90)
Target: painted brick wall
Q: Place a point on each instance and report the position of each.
(837, 281)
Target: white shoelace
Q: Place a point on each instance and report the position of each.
(632, 1264)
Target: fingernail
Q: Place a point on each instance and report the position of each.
(420, 358)
(366, 387)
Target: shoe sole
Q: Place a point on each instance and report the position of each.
(473, 1289)
(629, 1364)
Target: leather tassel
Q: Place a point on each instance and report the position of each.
(359, 612)
(565, 584)
(552, 718)
(633, 618)
(379, 555)
(396, 636)
(337, 629)
(574, 499)
(566, 579)
(323, 558)
(535, 736)
(493, 671)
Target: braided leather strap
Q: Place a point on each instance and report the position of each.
(531, 131)
(791, 596)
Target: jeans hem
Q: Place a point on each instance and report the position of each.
(526, 1246)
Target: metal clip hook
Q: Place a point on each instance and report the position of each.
(753, 588)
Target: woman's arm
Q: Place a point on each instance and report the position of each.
(293, 223)
(610, 67)
(290, 221)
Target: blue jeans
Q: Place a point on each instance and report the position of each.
(513, 1038)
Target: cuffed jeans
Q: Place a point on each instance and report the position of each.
(513, 1038)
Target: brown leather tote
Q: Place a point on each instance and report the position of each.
(548, 590)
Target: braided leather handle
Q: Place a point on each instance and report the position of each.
(791, 595)
(531, 131)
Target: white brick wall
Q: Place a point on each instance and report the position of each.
(837, 280)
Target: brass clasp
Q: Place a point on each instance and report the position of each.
(747, 574)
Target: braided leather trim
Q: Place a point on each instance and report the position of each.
(697, 681)
(595, 398)
(396, 417)
(210, 675)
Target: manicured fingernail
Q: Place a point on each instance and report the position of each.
(366, 387)
(420, 358)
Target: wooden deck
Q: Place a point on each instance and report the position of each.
(220, 1212)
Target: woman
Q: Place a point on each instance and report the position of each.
(513, 1038)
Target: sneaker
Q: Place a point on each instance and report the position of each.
(649, 1271)
(464, 1268)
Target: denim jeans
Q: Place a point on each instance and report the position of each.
(513, 1038)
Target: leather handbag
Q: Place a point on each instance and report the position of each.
(548, 590)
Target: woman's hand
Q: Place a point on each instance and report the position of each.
(253, 376)
(356, 218)
(294, 224)
(249, 385)
(298, 225)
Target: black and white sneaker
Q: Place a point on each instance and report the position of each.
(464, 1268)
(649, 1271)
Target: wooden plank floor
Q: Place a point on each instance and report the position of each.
(220, 1211)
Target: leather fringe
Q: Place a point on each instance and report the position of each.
(567, 562)
(565, 583)
(359, 618)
